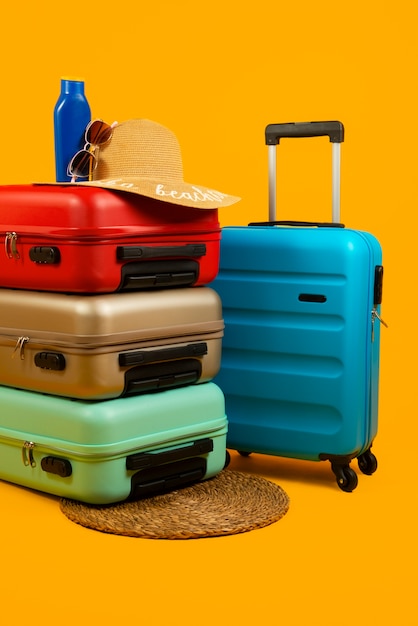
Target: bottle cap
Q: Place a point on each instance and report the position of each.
(75, 79)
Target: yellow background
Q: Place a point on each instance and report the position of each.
(216, 73)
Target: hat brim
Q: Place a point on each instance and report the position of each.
(172, 191)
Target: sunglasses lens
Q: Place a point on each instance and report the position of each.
(98, 133)
(81, 164)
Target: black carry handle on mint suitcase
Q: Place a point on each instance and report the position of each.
(300, 353)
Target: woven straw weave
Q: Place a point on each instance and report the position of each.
(230, 503)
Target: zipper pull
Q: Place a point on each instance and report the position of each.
(376, 316)
(15, 252)
(10, 245)
(20, 346)
(7, 249)
(27, 454)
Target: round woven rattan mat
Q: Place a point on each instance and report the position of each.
(230, 503)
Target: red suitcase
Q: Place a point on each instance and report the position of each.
(93, 240)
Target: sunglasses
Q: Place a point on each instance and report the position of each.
(84, 161)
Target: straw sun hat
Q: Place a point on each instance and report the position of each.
(144, 157)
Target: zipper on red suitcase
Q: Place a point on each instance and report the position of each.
(10, 245)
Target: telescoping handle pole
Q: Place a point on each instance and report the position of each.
(332, 129)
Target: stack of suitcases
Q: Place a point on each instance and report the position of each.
(109, 343)
(115, 374)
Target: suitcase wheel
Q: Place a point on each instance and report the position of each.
(244, 453)
(347, 479)
(367, 462)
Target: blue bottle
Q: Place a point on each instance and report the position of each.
(71, 116)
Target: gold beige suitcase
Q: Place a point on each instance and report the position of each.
(95, 347)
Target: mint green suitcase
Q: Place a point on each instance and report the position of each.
(112, 450)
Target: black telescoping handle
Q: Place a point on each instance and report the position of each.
(332, 129)
(298, 224)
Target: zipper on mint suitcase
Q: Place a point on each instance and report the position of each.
(27, 449)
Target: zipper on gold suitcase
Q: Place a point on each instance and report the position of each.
(20, 347)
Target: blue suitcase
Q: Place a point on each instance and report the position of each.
(300, 354)
(112, 450)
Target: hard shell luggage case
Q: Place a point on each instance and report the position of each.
(109, 451)
(109, 345)
(300, 355)
(91, 240)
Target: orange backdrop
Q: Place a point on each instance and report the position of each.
(216, 73)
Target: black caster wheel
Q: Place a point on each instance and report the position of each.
(367, 463)
(227, 459)
(347, 479)
(244, 453)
